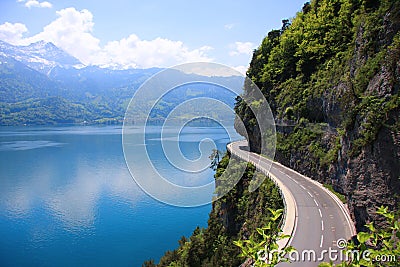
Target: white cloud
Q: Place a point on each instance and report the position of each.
(12, 32)
(35, 3)
(242, 48)
(134, 52)
(229, 26)
(73, 32)
(210, 70)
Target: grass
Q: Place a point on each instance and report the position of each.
(340, 196)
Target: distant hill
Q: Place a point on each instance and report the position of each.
(42, 84)
(18, 82)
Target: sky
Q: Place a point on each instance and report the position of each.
(144, 34)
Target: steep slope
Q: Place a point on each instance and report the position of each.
(94, 80)
(46, 111)
(42, 84)
(234, 216)
(18, 82)
(332, 79)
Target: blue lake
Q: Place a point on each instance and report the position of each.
(67, 198)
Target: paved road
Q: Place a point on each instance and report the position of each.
(315, 217)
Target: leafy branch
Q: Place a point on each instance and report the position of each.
(377, 247)
(262, 247)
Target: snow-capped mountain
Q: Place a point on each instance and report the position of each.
(42, 84)
(40, 56)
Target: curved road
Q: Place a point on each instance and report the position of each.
(315, 217)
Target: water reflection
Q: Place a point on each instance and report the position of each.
(26, 145)
(70, 171)
(66, 197)
(67, 178)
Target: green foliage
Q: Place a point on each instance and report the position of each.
(236, 215)
(53, 110)
(340, 196)
(367, 72)
(307, 138)
(374, 110)
(149, 263)
(262, 246)
(335, 63)
(332, 155)
(93, 96)
(319, 68)
(215, 158)
(301, 137)
(380, 247)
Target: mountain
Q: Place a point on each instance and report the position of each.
(18, 82)
(42, 84)
(94, 80)
(40, 56)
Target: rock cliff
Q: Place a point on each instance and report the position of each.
(334, 75)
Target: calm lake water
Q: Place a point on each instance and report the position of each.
(68, 199)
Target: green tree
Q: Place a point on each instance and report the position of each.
(377, 247)
(149, 263)
(262, 247)
(215, 159)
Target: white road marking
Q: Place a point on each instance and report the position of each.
(303, 187)
(281, 172)
(292, 179)
(322, 225)
(309, 194)
(315, 194)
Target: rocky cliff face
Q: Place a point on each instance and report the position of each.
(347, 118)
(372, 178)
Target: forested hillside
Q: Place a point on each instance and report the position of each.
(65, 95)
(332, 74)
(234, 216)
(41, 84)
